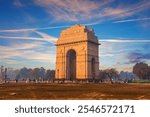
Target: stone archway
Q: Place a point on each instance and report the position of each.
(75, 48)
(71, 65)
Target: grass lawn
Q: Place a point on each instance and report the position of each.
(103, 91)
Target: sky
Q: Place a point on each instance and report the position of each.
(29, 30)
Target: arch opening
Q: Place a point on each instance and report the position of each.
(71, 65)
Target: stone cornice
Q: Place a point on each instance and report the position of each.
(77, 42)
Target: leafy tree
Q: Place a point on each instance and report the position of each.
(30, 74)
(36, 73)
(42, 73)
(141, 70)
(50, 74)
(23, 74)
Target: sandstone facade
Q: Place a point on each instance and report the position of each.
(77, 54)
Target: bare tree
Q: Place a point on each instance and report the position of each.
(109, 73)
(2, 73)
(5, 74)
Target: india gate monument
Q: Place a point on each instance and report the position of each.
(77, 55)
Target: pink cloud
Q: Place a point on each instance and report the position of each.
(82, 10)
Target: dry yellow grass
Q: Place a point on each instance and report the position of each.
(74, 91)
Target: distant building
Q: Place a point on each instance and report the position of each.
(77, 54)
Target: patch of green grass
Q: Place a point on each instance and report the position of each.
(139, 81)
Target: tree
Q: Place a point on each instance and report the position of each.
(112, 73)
(141, 70)
(50, 74)
(36, 73)
(23, 74)
(42, 73)
(102, 75)
(148, 72)
(5, 76)
(108, 73)
(2, 73)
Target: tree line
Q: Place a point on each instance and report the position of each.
(28, 74)
(140, 70)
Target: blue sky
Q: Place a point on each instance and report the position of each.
(30, 28)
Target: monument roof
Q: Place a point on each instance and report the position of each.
(77, 33)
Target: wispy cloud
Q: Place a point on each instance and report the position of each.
(31, 29)
(71, 10)
(80, 10)
(46, 37)
(109, 55)
(132, 20)
(43, 37)
(41, 28)
(18, 3)
(29, 55)
(126, 52)
(20, 46)
(40, 56)
(124, 41)
(16, 49)
(27, 51)
(136, 57)
(123, 11)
